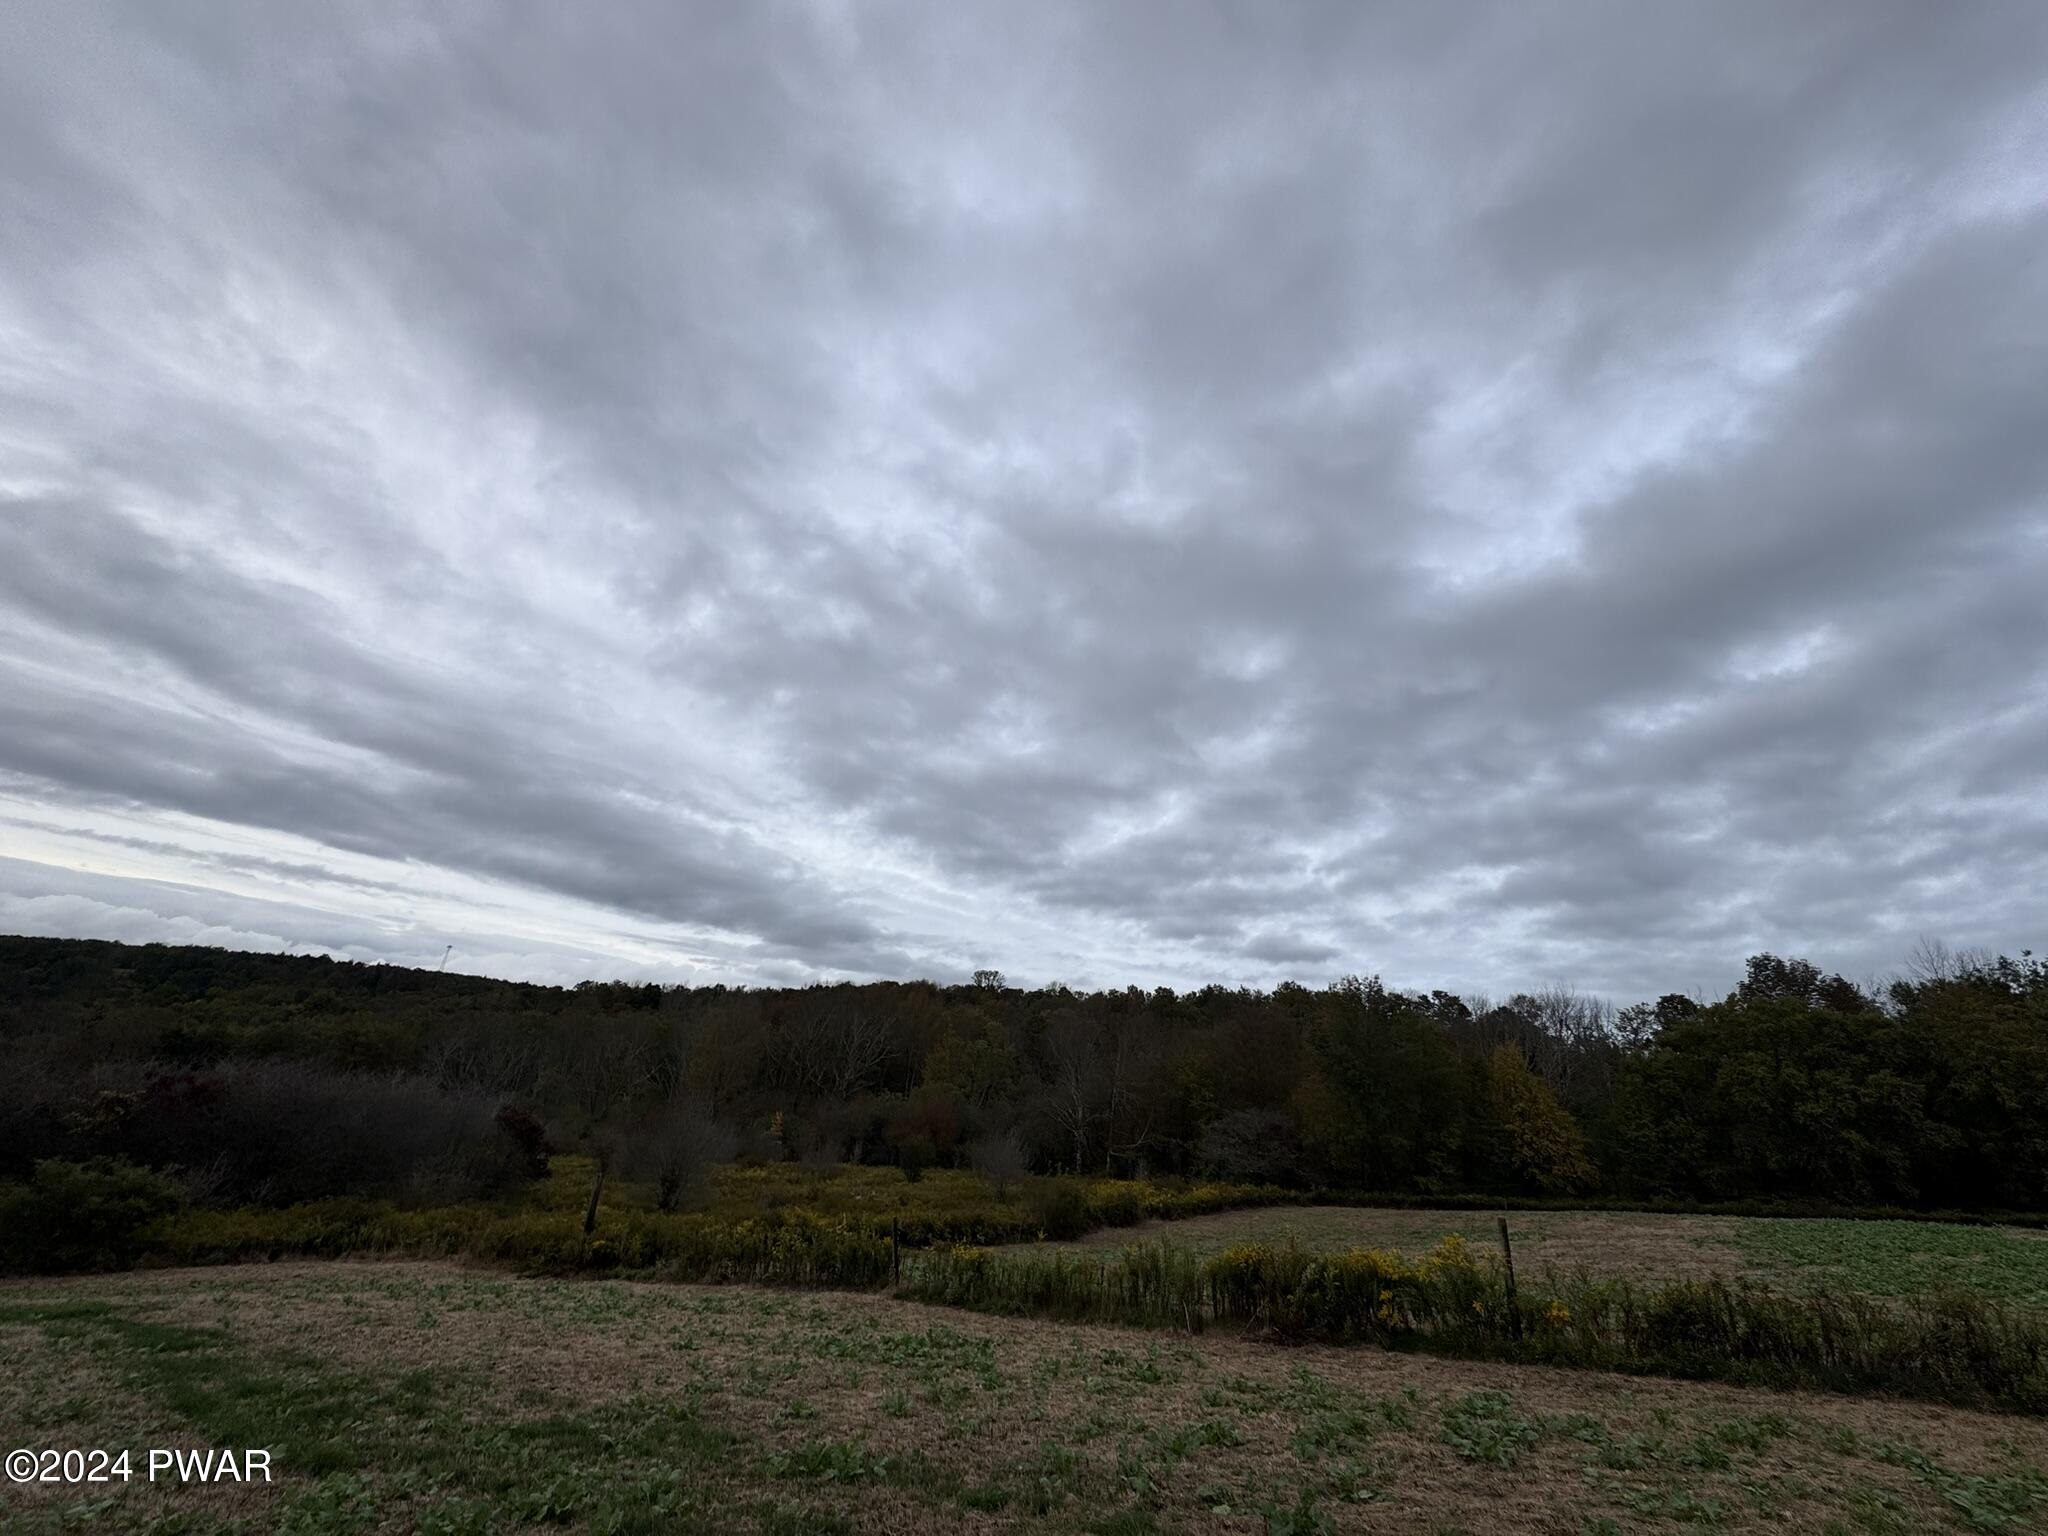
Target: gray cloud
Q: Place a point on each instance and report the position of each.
(1131, 493)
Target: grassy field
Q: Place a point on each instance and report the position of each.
(1899, 1258)
(1874, 1258)
(541, 1228)
(411, 1396)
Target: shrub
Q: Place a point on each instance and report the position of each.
(1116, 1203)
(529, 1136)
(1001, 1159)
(677, 1147)
(915, 1154)
(1062, 1212)
(82, 1216)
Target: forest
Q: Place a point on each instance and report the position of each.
(259, 1079)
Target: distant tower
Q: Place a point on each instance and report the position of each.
(444, 958)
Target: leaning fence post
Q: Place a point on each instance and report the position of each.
(1508, 1257)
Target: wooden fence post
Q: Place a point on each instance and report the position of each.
(1514, 1307)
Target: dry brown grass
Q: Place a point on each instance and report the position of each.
(1128, 1420)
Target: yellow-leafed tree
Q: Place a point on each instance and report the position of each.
(1545, 1144)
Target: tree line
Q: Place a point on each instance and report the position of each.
(276, 1078)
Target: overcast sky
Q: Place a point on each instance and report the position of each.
(1132, 492)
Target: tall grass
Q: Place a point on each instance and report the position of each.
(761, 1223)
(1947, 1346)
(956, 1206)
(784, 1248)
(1148, 1284)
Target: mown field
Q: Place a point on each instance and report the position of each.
(405, 1396)
(1872, 1258)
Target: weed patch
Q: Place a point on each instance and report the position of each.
(1486, 1426)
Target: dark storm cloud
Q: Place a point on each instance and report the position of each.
(1136, 492)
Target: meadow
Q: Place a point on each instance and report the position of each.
(1597, 1290)
(1893, 1258)
(923, 1355)
(409, 1396)
(773, 1221)
(1097, 1218)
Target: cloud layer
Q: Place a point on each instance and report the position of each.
(1147, 492)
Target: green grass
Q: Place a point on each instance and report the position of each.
(1901, 1258)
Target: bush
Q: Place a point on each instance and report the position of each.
(82, 1216)
(1001, 1159)
(529, 1138)
(1117, 1203)
(915, 1154)
(1062, 1213)
(677, 1147)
